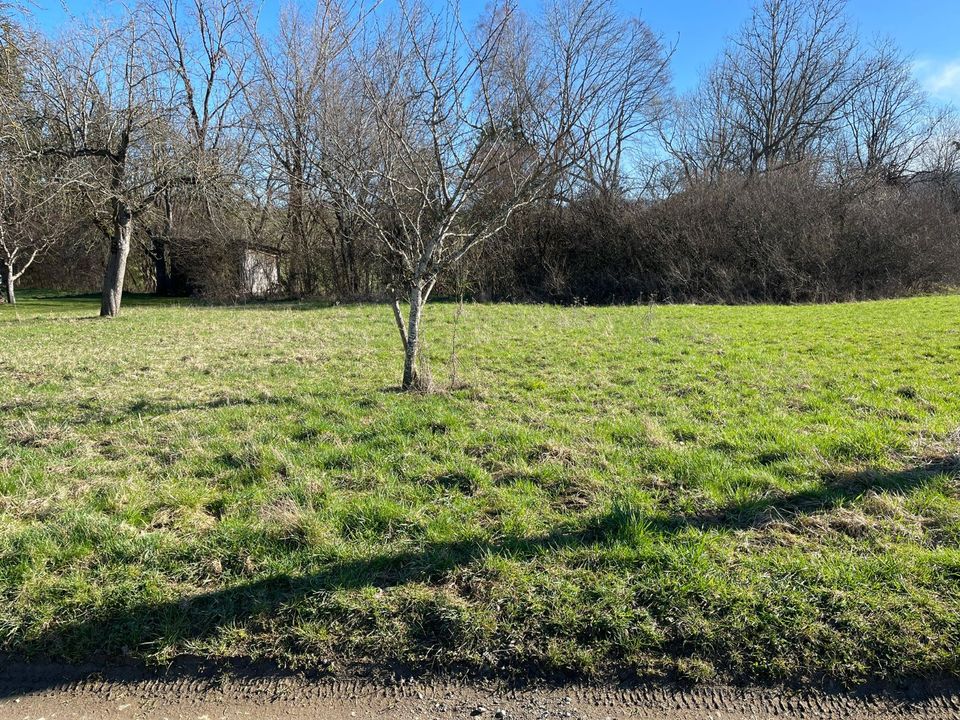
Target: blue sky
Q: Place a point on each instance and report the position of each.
(927, 29)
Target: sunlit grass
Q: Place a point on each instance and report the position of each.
(763, 492)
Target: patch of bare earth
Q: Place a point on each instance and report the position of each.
(38, 691)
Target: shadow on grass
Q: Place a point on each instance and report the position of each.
(158, 408)
(40, 298)
(40, 307)
(31, 298)
(95, 413)
(113, 632)
(43, 307)
(833, 491)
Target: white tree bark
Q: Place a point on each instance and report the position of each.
(8, 283)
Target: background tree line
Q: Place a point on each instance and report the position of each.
(392, 151)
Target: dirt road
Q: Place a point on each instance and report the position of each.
(38, 691)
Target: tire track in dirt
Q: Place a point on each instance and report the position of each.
(31, 691)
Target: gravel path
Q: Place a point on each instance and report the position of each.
(38, 691)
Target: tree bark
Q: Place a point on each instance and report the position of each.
(159, 243)
(158, 252)
(398, 316)
(116, 264)
(8, 283)
(411, 379)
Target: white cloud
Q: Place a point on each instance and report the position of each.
(941, 78)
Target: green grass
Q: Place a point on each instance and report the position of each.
(738, 492)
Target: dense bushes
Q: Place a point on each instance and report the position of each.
(779, 237)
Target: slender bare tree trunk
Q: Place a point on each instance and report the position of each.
(159, 244)
(116, 264)
(8, 282)
(158, 252)
(412, 350)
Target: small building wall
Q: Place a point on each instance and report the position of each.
(261, 271)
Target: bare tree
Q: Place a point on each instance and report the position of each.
(34, 212)
(107, 108)
(630, 75)
(455, 117)
(292, 76)
(29, 222)
(888, 122)
(300, 75)
(202, 46)
(787, 76)
(940, 162)
(702, 132)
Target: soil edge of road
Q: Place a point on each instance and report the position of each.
(31, 690)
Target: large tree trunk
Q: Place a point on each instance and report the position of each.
(411, 378)
(116, 264)
(8, 282)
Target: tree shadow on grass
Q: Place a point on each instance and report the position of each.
(31, 301)
(106, 412)
(42, 307)
(113, 632)
(834, 490)
(156, 408)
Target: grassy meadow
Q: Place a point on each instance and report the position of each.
(763, 493)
